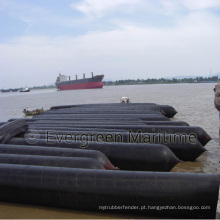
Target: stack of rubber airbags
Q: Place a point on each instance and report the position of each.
(95, 157)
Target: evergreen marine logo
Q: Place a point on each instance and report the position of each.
(32, 136)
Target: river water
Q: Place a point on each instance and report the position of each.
(194, 103)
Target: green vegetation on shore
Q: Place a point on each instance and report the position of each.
(162, 81)
(43, 87)
(145, 81)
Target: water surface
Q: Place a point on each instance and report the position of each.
(194, 103)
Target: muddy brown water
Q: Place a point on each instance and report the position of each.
(194, 103)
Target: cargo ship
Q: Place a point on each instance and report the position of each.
(64, 82)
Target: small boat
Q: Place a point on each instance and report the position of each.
(32, 112)
(25, 89)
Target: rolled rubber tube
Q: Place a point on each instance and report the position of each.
(106, 105)
(165, 195)
(51, 161)
(185, 148)
(11, 129)
(199, 133)
(101, 122)
(101, 111)
(102, 115)
(98, 117)
(168, 111)
(126, 156)
(55, 151)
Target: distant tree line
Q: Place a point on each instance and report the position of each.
(162, 81)
(146, 81)
(43, 87)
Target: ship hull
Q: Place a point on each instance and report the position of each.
(89, 83)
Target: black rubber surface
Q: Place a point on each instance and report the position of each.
(167, 195)
(55, 151)
(51, 161)
(126, 156)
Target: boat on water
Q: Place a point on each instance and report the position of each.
(25, 89)
(9, 90)
(32, 112)
(64, 82)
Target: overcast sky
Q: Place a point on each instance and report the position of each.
(122, 39)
